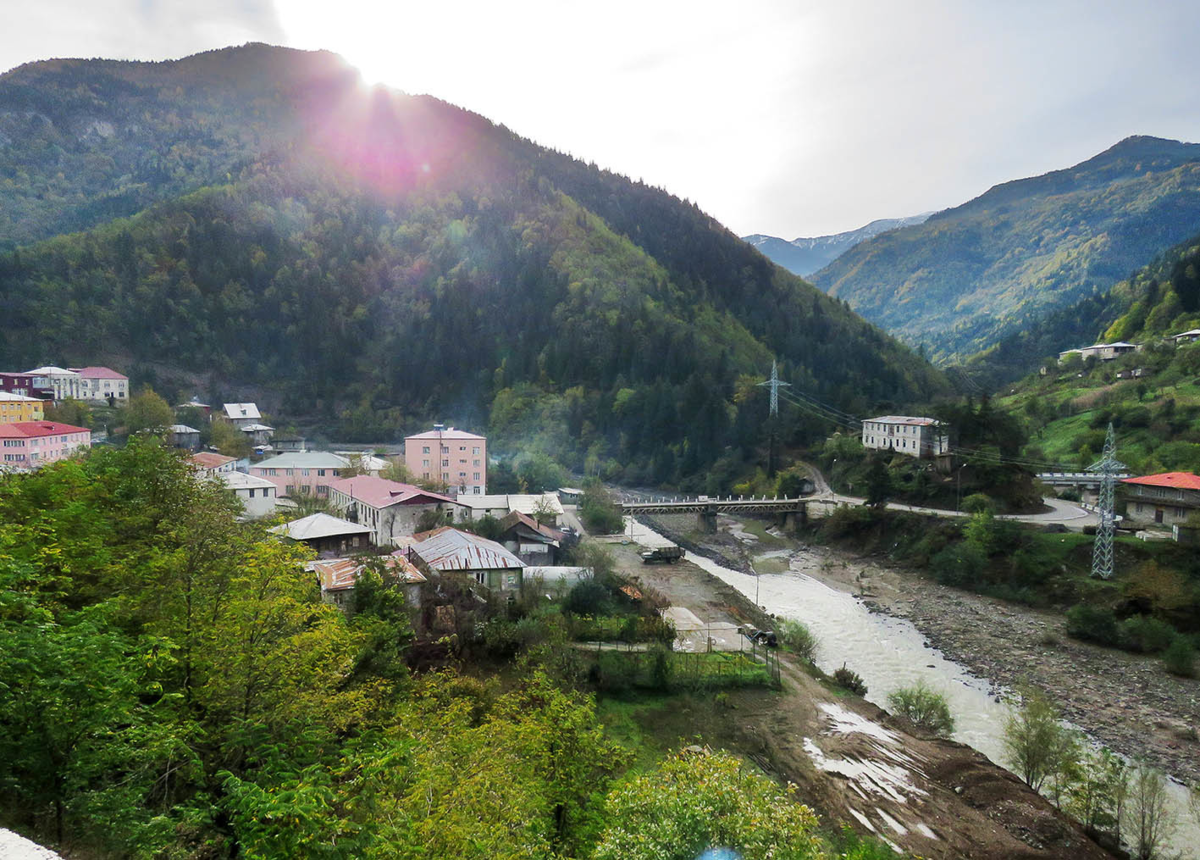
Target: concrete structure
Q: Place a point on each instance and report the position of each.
(213, 463)
(59, 381)
(456, 458)
(1166, 499)
(531, 541)
(391, 509)
(22, 383)
(102, 384)
(329, 536)
(29, 444)
(291, 445)
(1186, 337)
(447, 551)
(257, 495)
(15, 408)
(257, 434)
(501, 506)
(303, 474)
(338, 577)
(195, 403)
(183, 436)
(1101, 351)
(904, 434)
(241, 414)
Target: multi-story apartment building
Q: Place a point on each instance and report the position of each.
(18, 407)
(102, 384)
(390, 509)
(302, 474)
(61, 382)
(916, 437)
(30, 444)
(452, 457)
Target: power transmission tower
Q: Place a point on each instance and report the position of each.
(774, 384)
(1108, 466)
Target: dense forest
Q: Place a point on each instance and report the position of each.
(363, 261)
(171, 685)
(970, 275)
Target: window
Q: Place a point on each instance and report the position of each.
(425, 463)
(462, 474)
(446, 476)
(474, 462)
(320, 473)
(445, 462)
(289, 472)
(252, 492)
(425, 449)
(304, 472)
(475, 452)
(477, 491)
(481, 577)
(462, 447)
(476, 476)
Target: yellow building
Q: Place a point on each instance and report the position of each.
(18, 407)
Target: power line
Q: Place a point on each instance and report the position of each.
(1107, 466)
(775, 385)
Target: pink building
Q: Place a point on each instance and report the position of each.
(306, 473)
(454, 457)
(29, 444)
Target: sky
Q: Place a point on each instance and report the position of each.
(787, 118)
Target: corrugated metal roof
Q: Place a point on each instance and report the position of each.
(903, 419)
(449, 549)
(319, 526)
(382, 493)
(1175, 480)
(339, 574)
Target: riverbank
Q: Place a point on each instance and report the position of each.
(852, 761)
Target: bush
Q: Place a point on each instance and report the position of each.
(798, 639)
(1093, 624)
(1145, 634)
(959, 564)
(599, 513)
(978, 503)
(1179, 658)
(924, 707)
(588, 597)
(850, 680)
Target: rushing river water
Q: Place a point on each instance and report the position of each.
(890, 653)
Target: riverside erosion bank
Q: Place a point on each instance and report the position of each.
(817, 586)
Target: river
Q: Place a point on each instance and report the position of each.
(890, 653)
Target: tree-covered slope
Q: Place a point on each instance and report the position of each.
(970, 275)
(371, 260)
(809, 254)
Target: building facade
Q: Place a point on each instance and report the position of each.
(213, 463)
(257, 495)
(452, 457)
(1168, 498)
(29, 444)
(448, 551)
(102, 384)
(391, 510)
(241, 414)
(60, 382)
(302, 474)
(16, 408)
(22, 383)
(904, 434)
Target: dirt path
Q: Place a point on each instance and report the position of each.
(854, 764)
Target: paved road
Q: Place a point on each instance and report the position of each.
(1062, 512)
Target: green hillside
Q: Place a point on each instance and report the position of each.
(971, 275)
(364, 261)
(1156, 413)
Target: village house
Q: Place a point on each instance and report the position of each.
(289, 445)
(183, 436)
(391, 509)
(904, 434)
(257, 495)
(30, 444)
(16, 408)
(307, 473)
(1167, 498)
(338, 576)
(257, 434)
(455, 458)
(195, 403)
(102, 384)
(1186, 337)
(530, 504)
(212, 462)
(447, 551)
(329, 536)
(531, 541)
(1101, 351)
(22, 383)
(61, 383)
(241, 414)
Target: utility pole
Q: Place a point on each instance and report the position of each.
(774, 384)
(1108, 466)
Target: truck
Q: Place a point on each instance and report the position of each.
(663, 554)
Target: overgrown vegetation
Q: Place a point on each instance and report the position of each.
(923, 707)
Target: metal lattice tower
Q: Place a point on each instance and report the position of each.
(775, 385)
(1108, 466)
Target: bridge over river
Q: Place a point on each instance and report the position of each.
(789, 511)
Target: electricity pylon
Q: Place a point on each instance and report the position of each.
(774, 384)
(1108, 466)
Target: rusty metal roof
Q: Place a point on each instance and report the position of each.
(449, 549)
(339, 574)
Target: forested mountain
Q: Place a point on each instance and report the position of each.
(969, 275)
(371, 260)
(804, 256)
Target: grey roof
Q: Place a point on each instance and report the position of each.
(254, 428)
(526, 503)
(242, 481)
(449, 549)
(241, 410)
(303, 460)
(182, 428)
(319, 525)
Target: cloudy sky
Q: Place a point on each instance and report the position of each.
(789, 118)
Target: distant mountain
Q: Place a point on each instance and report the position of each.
(804, 256)
(257, 218)
(969, 276)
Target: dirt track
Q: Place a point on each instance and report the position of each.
(853, 763)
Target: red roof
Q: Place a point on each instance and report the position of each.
(1176, 480)
(210, 460)
(340, 574)
(35, 429)
(98, 373)
(380, 492)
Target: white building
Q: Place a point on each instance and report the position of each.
(257, 495)
(1102, 351)
(916, 437)
(64, 383)
(212, 462)
(500, 506)
(101, 384)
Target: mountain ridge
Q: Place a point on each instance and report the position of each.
(805, 255)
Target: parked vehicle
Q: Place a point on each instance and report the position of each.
(664, 554)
